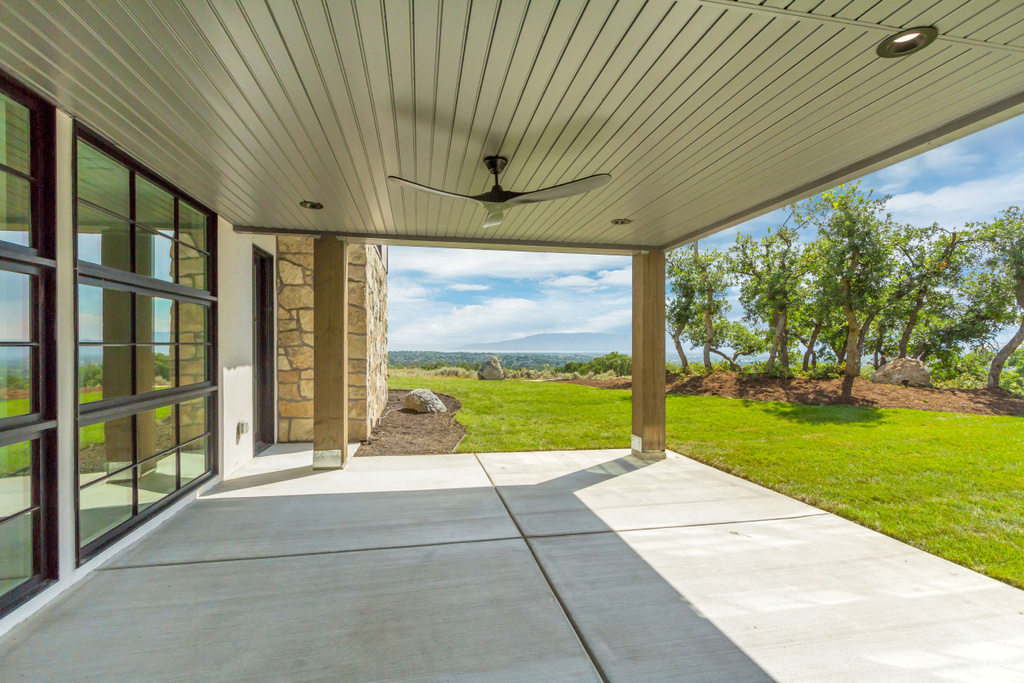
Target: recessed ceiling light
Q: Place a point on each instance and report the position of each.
(907, 42)
(306, 204)
(621, 221)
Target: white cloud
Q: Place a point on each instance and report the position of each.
(955, 158)
(954, 205)
(401, 289)
(460, 287)
(447, 265)
(605, 279)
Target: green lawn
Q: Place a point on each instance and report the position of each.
(950, 484)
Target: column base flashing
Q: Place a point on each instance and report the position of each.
(649, 455)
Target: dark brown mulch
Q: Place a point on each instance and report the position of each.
(406, 432)
(860, 392)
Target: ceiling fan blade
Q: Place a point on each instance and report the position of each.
(423, 188)
(495, 215)
(559, 191)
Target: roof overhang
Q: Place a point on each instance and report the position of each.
(706, 112)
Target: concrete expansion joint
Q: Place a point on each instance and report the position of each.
(596, 532)
(345, 551)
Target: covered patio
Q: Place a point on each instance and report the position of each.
(584, 565)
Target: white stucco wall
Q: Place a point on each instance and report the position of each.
(234, 334)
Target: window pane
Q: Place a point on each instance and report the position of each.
(16, 552)
(14, 136)
(104, 372)
(194, 459)
(193, 419)
(104, 505)
(15, 381)
(104, 315)
(154, 208)
(154, 368)
(15, 209)
(15, 306)
(192, 321)
(191, 226)
(157, 479)
(154, 318)
(191, 268)
(102, 181)
(154, 255)
(15, 478)
(191, 364)
(154, 432)
(104, 448)
(103, 239)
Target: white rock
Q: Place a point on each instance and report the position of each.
(491, 369)
(424, 401)
(907, 372)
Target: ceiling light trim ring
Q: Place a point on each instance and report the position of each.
(907, 42)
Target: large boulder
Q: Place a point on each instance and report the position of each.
(907, 372)
(424, 401)
(491, 369)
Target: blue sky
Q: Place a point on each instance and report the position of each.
(441, 299)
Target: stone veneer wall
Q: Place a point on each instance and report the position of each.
(368, 360)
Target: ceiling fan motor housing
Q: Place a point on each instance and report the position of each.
(495, 165)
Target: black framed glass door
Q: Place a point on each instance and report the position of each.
(263, 349)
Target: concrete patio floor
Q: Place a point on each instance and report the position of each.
(582, 565)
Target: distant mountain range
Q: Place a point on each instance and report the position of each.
(579, 342)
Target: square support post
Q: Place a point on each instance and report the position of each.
(648, 440)
(330, 353)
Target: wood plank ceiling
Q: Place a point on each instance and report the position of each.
(705, 112)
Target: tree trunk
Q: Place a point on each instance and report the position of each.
(852, 338)
(732, 361)
(879, 340)
(777, 322)
(683, 362)
(911, 324)
(1000, 360)
(810, 346)
(862, 338)
(784, 350)
(709, 333)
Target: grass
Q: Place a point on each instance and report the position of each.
(950, 484)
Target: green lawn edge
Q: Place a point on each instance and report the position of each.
(947, 483)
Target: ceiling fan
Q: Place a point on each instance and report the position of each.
(497, 200)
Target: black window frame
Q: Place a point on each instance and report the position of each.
(39, 426)
(87, 273)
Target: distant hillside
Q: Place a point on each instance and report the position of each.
(582, 342)
(473, 359)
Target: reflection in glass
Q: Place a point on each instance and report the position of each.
(104, 505)
(15, 140)
(191, 227)
(104, 448)
(157, 478)
(104, 372)
(193, 419)
(15, 306)
(154, 207)
(191, 364)
(15, 209)
(103, 315)
(154, 432)
(102, 181)
(154, 316)
(16, 552)
(194, 459)
(103, 239)
(192, 323)
(154, 255)
(15, 478)
(15, 380)
(154, 367)
(191, 268)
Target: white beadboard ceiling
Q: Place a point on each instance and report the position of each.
(705, 112)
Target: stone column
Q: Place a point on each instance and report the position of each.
(648, 439)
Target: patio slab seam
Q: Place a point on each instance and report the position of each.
(554, 591)
(592, 532)
(309, 554)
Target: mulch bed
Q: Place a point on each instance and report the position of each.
(406, 432)
(860, 392)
